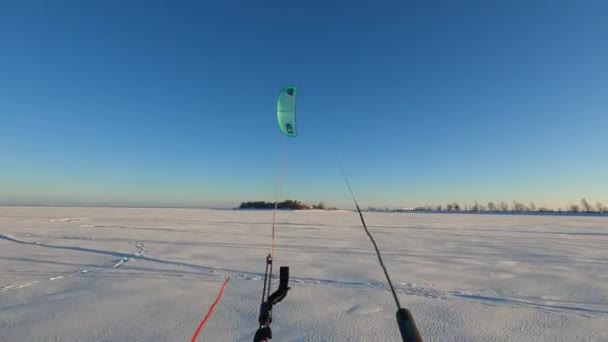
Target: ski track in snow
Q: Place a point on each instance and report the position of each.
(17, 286)
(141, 250)
(408, 289)
(429, 291)
(69, 219)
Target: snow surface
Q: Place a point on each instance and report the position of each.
(106, 274)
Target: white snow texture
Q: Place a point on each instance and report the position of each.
(111, 274)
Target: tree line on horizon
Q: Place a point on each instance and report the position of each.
(502, 206)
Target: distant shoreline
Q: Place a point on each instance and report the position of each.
(508, 213)
(504, 213)
(110, 206)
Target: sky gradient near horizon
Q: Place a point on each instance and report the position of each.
(160, 103)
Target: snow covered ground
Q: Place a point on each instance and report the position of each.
(104, 274)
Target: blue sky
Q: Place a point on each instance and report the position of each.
(173, 103)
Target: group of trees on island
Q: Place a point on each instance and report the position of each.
(287, 204)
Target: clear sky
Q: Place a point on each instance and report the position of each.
(173, 103)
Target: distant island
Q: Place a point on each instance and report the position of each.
(287, 204)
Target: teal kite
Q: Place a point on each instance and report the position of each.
(286, 111)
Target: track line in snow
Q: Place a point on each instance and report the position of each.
(412, 289)
(69, 219)
(17, 286)
(408, 289)
(543, 306)
(141, 250)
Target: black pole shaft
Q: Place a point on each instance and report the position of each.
(405, 319)
(388, 278)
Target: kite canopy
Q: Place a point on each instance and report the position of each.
(286, 111)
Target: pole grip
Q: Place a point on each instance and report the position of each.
(407, 326)
(284, 277)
